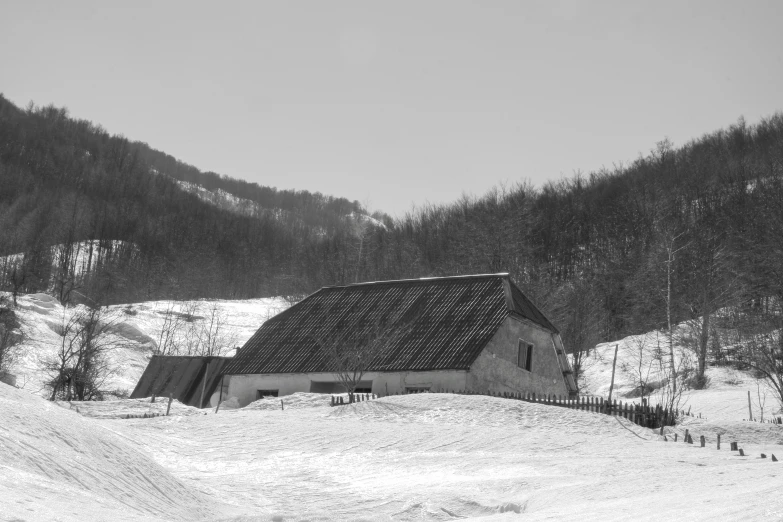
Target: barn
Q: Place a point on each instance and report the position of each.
(473, 333)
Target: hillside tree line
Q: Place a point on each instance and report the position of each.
(677, 235)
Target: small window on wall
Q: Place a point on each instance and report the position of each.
(525, 355)
(260, 394)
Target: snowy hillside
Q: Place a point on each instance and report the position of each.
(135, 332)
(227, 201)
(222, 199)
(724, 399)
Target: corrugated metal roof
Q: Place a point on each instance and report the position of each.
(526, 308)
(181, 376)
(445, 323)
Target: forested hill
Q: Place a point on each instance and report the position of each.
(679, 232)
(313, 208)
(65, 181)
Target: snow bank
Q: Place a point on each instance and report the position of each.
(57, 465)
(295, 401)
(120, 409)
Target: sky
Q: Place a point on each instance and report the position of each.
(399, 103)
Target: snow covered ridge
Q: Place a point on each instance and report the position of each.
(134, 334)
(227, 201)
(364, 221)
(223, 199)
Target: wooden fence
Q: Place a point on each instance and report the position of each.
(644, 415)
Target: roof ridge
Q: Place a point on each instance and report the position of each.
(423, 280)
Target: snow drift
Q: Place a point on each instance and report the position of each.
(58, 465)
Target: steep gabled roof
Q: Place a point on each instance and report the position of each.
(446, 321)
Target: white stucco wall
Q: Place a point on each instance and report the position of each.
(245, 387)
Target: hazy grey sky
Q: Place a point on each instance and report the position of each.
(398, 102)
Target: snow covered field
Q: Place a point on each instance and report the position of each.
(416, 457)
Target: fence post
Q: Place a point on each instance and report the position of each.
(171, 398)
(718, 440)
(220, 395)
(702, 440)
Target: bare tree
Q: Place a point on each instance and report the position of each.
(639, 365)
(10, 336)
(758, 335)
(354, 352)
(214, 335)
(81, 367)
(673, 373)
(579, 321)
(761, 394)
(711, 286)
(195, 331)
(669, 241)
(170, 331)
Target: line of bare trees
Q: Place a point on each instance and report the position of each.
(195, 328)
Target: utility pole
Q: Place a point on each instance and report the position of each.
(614, 365)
